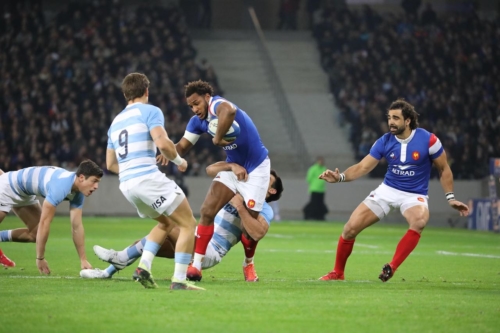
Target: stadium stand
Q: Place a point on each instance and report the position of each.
(446, 65)
(60, 79)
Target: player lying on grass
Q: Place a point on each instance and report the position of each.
(18, 191)
(232, 224)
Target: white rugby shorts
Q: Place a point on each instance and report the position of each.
(385, 198)
(9, 199)
(153, 194)
(253, 190)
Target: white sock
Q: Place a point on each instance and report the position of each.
(197, 260)
(247, 262)
(146, 260)
(180, 271)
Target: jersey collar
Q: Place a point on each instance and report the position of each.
(133, 104)
(408, 139)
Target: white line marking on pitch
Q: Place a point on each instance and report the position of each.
(368, 246)
(446, 253)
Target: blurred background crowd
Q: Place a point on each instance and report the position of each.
(60, 81)
(446, 65)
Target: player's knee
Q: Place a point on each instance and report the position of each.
(418, 224)
(31, 238)
(207, 212)
(349, 232)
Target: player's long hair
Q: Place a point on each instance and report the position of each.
(89, 168)
(278, 186)
(408, 111)
(199, 87)
(134, 86)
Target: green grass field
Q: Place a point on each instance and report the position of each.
(451, 283)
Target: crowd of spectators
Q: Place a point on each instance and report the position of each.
(446, 65)
(60, 79)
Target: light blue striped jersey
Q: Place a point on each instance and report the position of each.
(227, 227)
(52, 183)
(130, 138)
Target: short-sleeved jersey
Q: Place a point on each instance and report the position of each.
(129, 136)
(409, 161)
(52, 183)
(247, 150)
(227, 229)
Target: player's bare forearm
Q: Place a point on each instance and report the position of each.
(360, 169)
(446, 179)
(183, 146)
(213, 169)
(255, 227)
(78, 232)
(111, 161)
(42, 235)
(226, 114)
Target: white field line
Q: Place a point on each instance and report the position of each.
(478, 255)
(130, 279)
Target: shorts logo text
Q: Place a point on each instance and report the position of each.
(158, 202)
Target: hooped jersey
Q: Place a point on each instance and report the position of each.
(52, 183)
(227, 227)
(129, 135)
(247, 150)
(409, 161)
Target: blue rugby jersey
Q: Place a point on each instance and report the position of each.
(52, 183)
(247, 150)
(409, 161)
(227, 227)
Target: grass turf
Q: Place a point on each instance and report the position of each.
(450, 283)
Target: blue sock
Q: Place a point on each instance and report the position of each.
(150, 250)
(111, 270)
(182, 258)
(133, 251)
(182, 261)
(5, 235)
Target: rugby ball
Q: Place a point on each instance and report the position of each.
(231, 134)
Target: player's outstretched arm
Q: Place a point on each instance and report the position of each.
(226, 114)
(183, 146)
(75, 215)
(167, 147)
(446, 179)
(240, 172)
(111, 161)
(355, 171)
(255, 227)
(42, 235)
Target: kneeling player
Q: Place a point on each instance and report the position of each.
(232, 224)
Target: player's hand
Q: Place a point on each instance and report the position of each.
(85, 264)
(183, 166)
(161, 160)
(462, 208)
(239, 171)
(221, 143)
(43, 266)
(237, 201)
(330, 176)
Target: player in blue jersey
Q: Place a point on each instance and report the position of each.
(248, 169)
(18, 191)
(410, 153)
(233, 223)
(133, 137)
